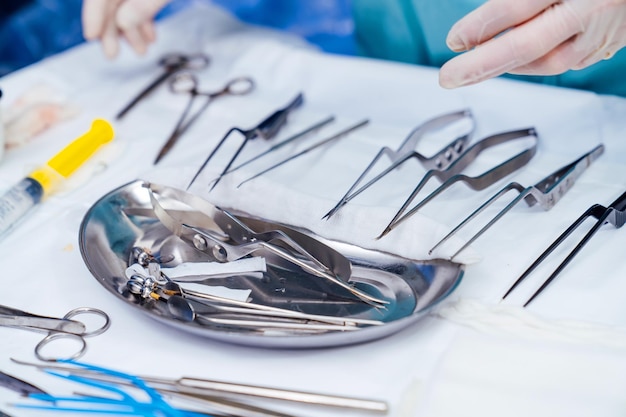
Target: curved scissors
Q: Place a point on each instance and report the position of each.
(171, 64)
(187, 83)
(65, 327)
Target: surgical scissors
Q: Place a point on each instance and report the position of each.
(187, 83)
(546, 193)
(453, 174)
(171, 63)
(266, 129)
(614, 214)
(58, 328)
(441, 160)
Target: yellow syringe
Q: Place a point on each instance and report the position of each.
(27, 193)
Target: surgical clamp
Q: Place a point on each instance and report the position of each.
(614, 214)
(187, 83)
(172, 63)
(57, 328)
(546, 193)
(441, 160)
(453, 174)
(266, 129)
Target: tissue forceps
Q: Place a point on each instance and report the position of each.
(171, 63)
(441, 160)
(546, 193)
(58, 328)
(453, 174)
(187, 83)
(323, 142)
(614, 214)
(311, 129)
(266, 129)
(222, 236)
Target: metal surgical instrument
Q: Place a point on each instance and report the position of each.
(222, 236)
(452, 174)
(441, 160)
(546, 193)
(311, 129)
(149, 281)
(187, 83)
(171, 63)
(221, 392)
(334, 137)
(266, 129)
(58, 328)
(614, 214)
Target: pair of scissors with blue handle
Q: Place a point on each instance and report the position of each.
(65, 327)
(171, 64)
(187, 83)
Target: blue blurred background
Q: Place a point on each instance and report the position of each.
(31, 30)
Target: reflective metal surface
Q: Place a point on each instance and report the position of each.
(120, 221)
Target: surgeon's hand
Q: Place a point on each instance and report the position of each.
(110, 20)
(536, 37)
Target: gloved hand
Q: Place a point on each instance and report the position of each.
(108, 20)
(537, 37)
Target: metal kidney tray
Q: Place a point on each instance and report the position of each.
(108, 234)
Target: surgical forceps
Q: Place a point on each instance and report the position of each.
(58, 328)
(171, 63)
(406, 151)
(614, 214)
(546, 193)
(311, 129)
(452, 174)
(323, 142)
(187, 83)
(266, 129)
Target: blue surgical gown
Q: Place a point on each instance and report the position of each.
(415, 31)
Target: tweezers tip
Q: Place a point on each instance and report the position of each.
(383, 234)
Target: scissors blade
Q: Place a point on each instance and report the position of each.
(44, 323)
(17, 385)
(143, 93)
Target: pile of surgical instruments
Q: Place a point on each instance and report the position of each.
(149, 281)
(121, 393)
(222, 236)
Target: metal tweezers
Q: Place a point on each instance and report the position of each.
(614, 214)
(546, 193)
(441, 160)
(452, 174)
(266, 129)
(222, 236)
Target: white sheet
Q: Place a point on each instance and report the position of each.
(447, 364)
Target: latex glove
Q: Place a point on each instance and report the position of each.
(108, 20)
(537, 37)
